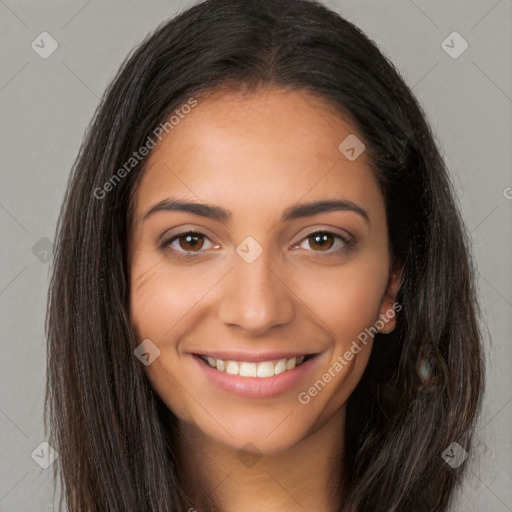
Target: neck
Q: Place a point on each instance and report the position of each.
(304, 477)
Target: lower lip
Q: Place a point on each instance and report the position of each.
(256, 387)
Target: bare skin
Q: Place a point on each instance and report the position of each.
(257, 155)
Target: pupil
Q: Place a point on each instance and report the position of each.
(320, 240)
(192, 239)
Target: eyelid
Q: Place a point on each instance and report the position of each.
(183, 229)
(342, 233)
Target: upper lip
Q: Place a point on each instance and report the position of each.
(252, 356)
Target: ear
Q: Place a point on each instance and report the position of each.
(389, 308)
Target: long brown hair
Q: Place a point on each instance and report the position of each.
(421, 390)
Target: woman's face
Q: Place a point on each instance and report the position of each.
(263, 279)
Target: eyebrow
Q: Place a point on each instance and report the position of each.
(293, 212)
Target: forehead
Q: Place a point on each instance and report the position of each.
(260, 150)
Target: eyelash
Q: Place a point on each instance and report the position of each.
(348, 244)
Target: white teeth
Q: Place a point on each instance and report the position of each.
(280, 366)
(262, 369)
(290, 364)
(232, 368)
(248, 369)
(265, 369)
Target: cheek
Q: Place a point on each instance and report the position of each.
(347, 299)
(160, 300)
(149, 300)
(161, 297)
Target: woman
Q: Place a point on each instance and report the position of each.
(263, 296)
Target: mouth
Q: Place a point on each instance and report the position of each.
(256, 369)
(260, 376)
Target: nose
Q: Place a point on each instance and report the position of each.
(255, 297)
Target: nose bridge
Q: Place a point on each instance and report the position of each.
(256, 297)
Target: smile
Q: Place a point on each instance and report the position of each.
(252, 375)
(261, 369)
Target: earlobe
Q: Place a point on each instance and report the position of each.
(389, 307)
(389, 325)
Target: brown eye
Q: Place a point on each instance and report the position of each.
(191, 242)
(321, 241)
(331, 244)
(187, 244)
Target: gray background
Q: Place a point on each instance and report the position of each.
(47, 103)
